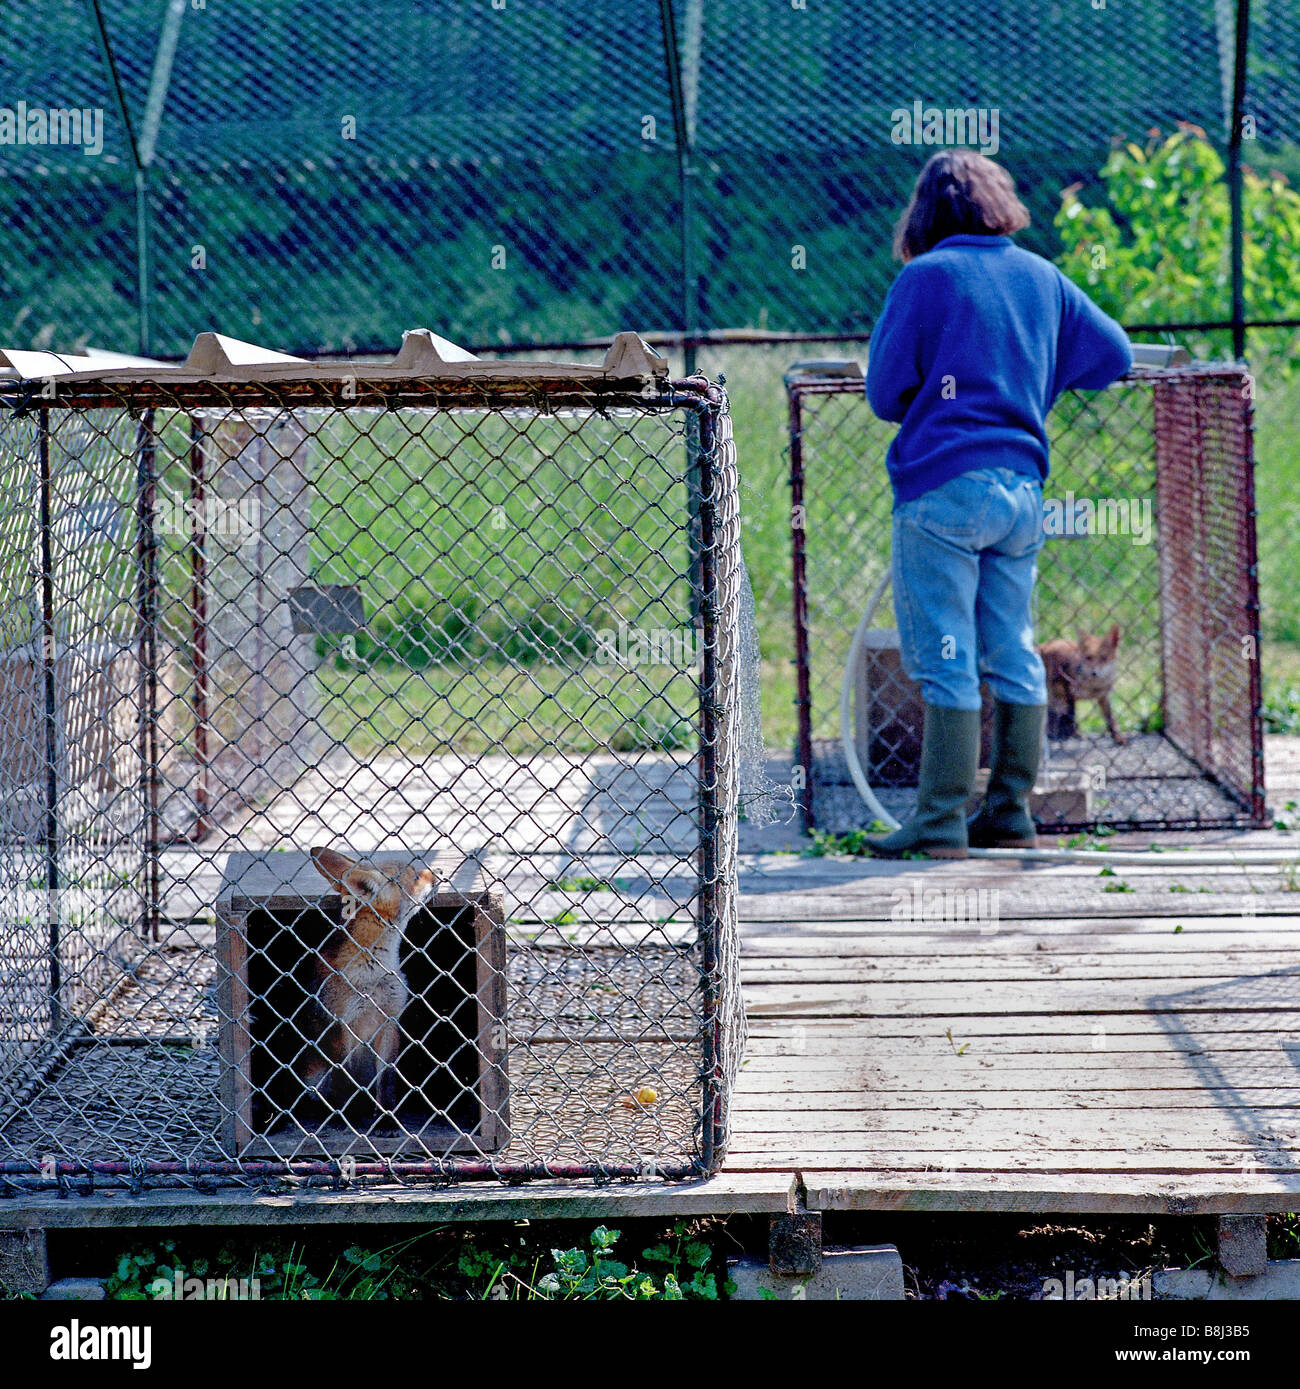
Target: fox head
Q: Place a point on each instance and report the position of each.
(1094, 668)
(380, 895)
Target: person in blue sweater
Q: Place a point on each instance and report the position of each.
(976, 340)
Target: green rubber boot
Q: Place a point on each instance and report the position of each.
(950, 754)
(1003, 820)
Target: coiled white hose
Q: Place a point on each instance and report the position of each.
(846, 709)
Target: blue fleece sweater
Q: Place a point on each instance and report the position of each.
(977, 338)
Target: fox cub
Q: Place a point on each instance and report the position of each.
(360, 988)
(1083, 669)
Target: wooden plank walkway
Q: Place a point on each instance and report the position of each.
(1119, 1054)
(1078, 1050)
(972, 1036)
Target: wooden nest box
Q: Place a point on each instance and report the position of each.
(448, 1092)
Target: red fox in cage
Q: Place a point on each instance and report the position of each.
(361, 989)
(1083, 669)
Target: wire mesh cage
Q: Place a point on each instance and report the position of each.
(1147, 606)
(367, 770)
(482, 119)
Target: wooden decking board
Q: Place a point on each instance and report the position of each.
(1085, 1051)
(840, 1109)
(1016, 939)
(908, 973)
(1100, 1056)
(986, 950)
(727, 1194)
(873, 1084)
(1017, 1071)
(1106, 1028)
(1070, 1193)
(882, 1085)
(1097, 1004)
(853, 924)
(797, 1055)
(1077, 903)
(939, 1128)
(1273, 991)
(782, 1152)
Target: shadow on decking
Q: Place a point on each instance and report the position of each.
(1178, 1015)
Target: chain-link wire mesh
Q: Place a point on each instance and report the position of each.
(367, 779)
(1147, 607)
(1276, 367)
(313, 175)
(307, 174)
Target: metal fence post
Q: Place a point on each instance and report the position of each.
(51, 715)
(1235, 179)
(142, 223)
(799, 588)
(147, 657)
(686, 181)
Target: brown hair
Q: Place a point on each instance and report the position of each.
(958, 191)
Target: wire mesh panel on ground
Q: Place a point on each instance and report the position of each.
(1147, 606)
(367, 775)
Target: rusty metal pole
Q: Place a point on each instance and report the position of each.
(1235, 135)
(799, 576)
(47, 653)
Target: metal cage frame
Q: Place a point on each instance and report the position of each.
(1193, 410)
(633, 383)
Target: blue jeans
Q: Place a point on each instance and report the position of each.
(964, 565)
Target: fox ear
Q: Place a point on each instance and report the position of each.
(1113, 639)
(363, 883)
(331, 865)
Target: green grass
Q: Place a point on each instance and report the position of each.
(1282, 687)
(498, 707)
(1277, 492)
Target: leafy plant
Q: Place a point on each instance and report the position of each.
(1157, 248)
(1282, 710)
(454, 1266)
(1283, 1236)
(686, 1259)
(853, 842)
(677, 1269)
(281, 1271)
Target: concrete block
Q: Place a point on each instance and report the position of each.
(1280, 1282)
(24, 1263)
(794, 1243)
(1242, 1245)
(1060, 796)
(75, 1290)
(871, 1273)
